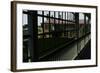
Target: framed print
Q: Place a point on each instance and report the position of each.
(52, 36)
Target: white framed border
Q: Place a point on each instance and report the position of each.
(53, 64)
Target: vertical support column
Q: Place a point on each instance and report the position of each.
(54, 37)
(55, 26)
(89, 25)
(84, 24)
(43, 27)
(84, 27)
(62, 18)
(32, 28)
(54, 18)
(25, 42)
(49, 24)
(65, 25)
(77, 29)
(62, 27)
(77, 24)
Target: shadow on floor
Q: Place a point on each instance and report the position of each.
(85, 53)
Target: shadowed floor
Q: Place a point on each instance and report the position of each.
(69, 52)
(85, 53)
